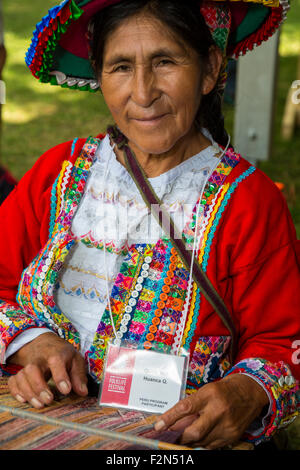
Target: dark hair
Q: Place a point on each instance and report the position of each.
(183, 17)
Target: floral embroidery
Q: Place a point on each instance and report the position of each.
(209, 361)
(79, 291)
(109, 246)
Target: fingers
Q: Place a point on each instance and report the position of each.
(199, 431)
(209, 435)
(183, 423)
(194, 428)
(208, 417)
(60, 376)
(48, 355)
(29, 385)
(186, 407)
(78, 376)
(205, 430)
(68, 376)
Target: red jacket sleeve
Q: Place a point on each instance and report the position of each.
(264, 273)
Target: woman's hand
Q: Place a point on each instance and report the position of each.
(218, 414)
(47, 356)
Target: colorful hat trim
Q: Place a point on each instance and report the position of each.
(46, 37)
(56, 57)
(270, 24)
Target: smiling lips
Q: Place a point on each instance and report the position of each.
(149, 119)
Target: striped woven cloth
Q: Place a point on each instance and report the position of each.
(19, 433)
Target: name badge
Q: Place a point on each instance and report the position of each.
(142, 380)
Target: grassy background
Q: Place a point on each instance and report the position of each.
(36, 117)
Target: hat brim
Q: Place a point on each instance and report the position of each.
(59, 55)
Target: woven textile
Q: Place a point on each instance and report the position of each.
(23, 434)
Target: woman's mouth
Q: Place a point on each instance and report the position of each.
(149, 120)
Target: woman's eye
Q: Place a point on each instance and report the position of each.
(122, 68)
(163, 62)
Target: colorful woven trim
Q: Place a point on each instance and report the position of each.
(150, 292)
(276, 17)
(209, 361)
(218, 19)
(219, 204)
(57, 194)
(9, 369)
(37, 286)
(267, 3)
(208, 201)
(13, 320)
(109, 246)
(281, 388)
(40, 55)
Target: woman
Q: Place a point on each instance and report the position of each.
(80, 229)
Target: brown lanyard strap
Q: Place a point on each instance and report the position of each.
(167, 224)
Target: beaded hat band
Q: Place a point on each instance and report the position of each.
(59, 51)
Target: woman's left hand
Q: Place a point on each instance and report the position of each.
(218, 413)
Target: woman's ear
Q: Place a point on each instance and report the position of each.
(213, 69)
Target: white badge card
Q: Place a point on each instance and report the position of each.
(142, 380)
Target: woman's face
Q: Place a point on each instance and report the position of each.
(152, 84)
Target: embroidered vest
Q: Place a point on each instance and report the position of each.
(150, 290)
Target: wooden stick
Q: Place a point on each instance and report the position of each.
(149, 443)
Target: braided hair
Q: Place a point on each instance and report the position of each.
(185, 20)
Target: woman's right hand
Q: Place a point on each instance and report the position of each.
(47, 356)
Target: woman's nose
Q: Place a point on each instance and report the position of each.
(144, 87)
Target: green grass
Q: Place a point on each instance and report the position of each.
(36, 117)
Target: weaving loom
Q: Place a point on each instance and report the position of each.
(70, 423)
(74, 423)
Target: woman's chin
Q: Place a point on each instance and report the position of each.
(151, 146)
